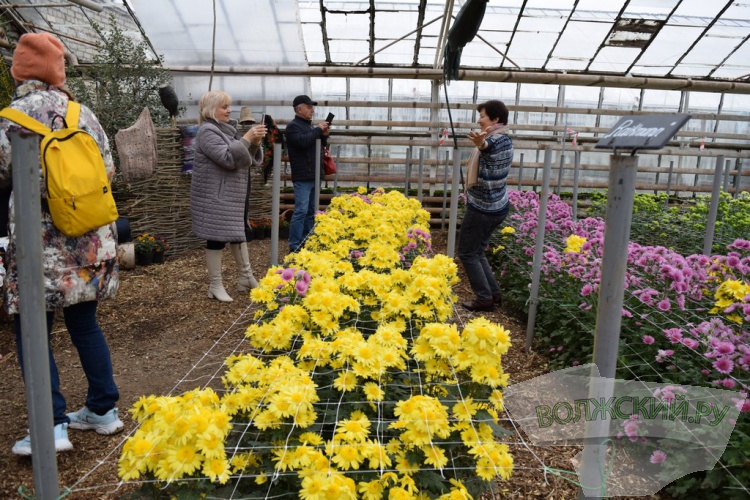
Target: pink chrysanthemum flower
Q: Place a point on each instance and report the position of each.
(658, 457)
(724, 365)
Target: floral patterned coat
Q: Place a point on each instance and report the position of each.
(75, 269)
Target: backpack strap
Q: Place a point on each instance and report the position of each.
(73, 114)
(25, 121)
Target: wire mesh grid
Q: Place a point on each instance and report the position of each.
(675, 327)
(287, 403)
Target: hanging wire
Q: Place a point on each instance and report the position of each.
(453, 129)
(213, 49)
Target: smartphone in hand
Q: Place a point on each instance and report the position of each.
(329, 118)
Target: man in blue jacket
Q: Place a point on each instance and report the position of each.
(301, 135)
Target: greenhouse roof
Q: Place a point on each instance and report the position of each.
(653, 38)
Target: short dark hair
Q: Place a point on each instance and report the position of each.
(495, 109)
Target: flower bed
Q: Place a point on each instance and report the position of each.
(684, 319)
(356, 383)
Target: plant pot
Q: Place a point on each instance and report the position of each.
(144, 258)
(283, 233)
(158, 258)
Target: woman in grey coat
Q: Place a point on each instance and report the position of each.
(219, 186)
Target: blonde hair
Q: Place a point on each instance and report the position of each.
(210, 102)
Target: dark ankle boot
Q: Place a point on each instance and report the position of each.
(497, 300)
(479, 305)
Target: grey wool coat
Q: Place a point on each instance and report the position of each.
(218, 190)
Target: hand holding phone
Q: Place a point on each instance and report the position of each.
(329, 118)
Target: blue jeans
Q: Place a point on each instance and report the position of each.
(88, 339)
(303, 217)
(476, 230)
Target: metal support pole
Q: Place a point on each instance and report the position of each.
(738, 179)
(536, 268)
(620, 196)
(727, 169)
(714, 207)
(407, 172)
(576, 172)
(669, 183)
(336, 175)
(445, 190)
(658, 166)
(520, 171)
(317, 174)
(275, 203)
(34, 339)
(421, 172)
(453, 222)
(558, 188)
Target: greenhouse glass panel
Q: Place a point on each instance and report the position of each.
(611, 7)
(529, 50)
(656, 9)
(313, 43)
(736, 66)
(431, 28)
(505, 92)
(427, 54)
(308, 14)
(349, 51)
(711, 49)
(498, 21)
(668, 46)
(541, 25)
(651, 70)
(258, 33)
(738, 11)
(615, 98)
(479, 54)
(698, 8)
(242, 89)
(370, 89)
(329, 88)
(348, 26)
(704, 102)
(737, 103)
(661, 100)
(614, 59)
(412, 90)
(393, 25)
(545, 4)
(581, 39)
(397, 53)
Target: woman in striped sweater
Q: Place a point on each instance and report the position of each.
(487, 202)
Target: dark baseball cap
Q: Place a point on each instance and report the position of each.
(303, 99)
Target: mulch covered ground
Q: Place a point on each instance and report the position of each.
(166, 336)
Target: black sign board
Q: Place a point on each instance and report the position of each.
(642, 131)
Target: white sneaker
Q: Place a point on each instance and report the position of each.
(85, 420)
(62, 443)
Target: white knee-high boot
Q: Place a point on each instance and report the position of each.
(216, 287)
(247, 280)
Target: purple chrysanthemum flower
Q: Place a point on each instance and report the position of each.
(658, 457)
(724, 365)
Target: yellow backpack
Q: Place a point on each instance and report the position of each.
(79, 196)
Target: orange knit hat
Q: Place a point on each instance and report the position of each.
(39, 56)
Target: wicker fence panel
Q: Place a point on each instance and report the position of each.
(160, 204)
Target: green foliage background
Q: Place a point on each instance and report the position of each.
(122, 81)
